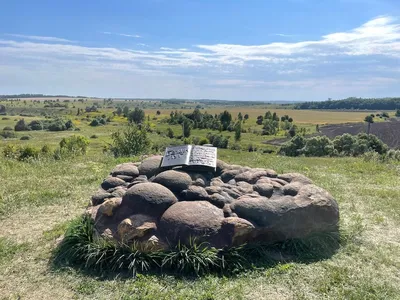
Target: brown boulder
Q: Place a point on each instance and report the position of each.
(148, 198)
(191, 219)
(136, 226)
(125, 169)
(112, 182)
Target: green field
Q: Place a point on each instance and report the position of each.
(39, 198)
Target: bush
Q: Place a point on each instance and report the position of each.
(318, 146)
(136, 116)
(218, 141)
(28, 152)
(8, 134)
(74, 145)
(25, 138)
(235, 146)
(251, 148)
(170, 133)
(21, 126)
(35, 125)
(94, 123)
(94, 136)
(130, 141)
(10, 151)
(293, 147)
(57, 125)
(45, 150)
(8, 128)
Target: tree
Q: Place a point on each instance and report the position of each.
(260, 120)
(130, 141)
(158, 112)
(398, 113)
(186, 127)
(119, 111)
(292, 131)
(369, 119)
(125, 111)
(240, 117)
(170, 133)
(246, 116)
(136, 116)
(21, 126)
(225, 119)
(238, 131)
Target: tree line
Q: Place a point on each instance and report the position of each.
(353, 103)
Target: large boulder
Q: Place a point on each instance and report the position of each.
(150, 166)
(191, 219)
(176, 181)
(148, 198)
(312, 211)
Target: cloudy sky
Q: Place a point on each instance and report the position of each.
(222, 49)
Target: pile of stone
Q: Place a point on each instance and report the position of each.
(156, 208)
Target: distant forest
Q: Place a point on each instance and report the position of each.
(33, 96)
(353, 103)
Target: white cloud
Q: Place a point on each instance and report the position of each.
(122, 34)
(331, 64)
(40, 38)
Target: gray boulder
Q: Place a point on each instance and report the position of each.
(176, 181)
(150, 166)
(194, 193)
(126, 169)
(112, 182)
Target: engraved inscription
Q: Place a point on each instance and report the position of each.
(175, 156)
(203, 156)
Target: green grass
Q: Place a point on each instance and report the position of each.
(40, 199)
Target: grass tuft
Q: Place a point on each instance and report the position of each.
(80, 248)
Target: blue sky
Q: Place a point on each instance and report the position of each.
(235, 50)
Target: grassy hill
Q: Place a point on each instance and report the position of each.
(38, 200)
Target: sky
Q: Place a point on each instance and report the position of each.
(294, 50)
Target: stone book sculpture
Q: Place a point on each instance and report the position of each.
(199, 157)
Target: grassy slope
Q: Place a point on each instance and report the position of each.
(38, 199)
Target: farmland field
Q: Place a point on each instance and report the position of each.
(39, 198)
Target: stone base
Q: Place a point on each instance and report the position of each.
(155, 208)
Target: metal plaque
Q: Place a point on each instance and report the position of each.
(203, 156)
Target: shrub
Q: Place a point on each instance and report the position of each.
(136, 116)
(293, 147)
(21, 126)
(8, 134)
(7, 128)
(74, 145)
(94, 136)
(57, 125)
(94, 123)
(235, 146)
(36, 125)
(25, 138)
(45, 149)
(218, 141)
(130, 141)
(318, 146)
(251, 148)
(10, 151)
(69, 124)
(28, 152)
(170, 133)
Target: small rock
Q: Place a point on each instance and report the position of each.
(237, 230)
(127, 169)
(136, 226)
(112, 182)
(213, 189)
(195, 193)
(125, 178)
(264, 189)
(110, 206)
(244, 187)
(216, 182)
(229, 174)
(291, 177)
(100, 196)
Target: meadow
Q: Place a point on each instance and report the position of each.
(39, 199)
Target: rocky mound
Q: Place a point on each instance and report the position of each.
(154, 208)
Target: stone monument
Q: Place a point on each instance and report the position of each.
(189, 193)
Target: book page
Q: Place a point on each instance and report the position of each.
(203, 156)
(176, 156)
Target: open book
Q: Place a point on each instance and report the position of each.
(190, 155)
